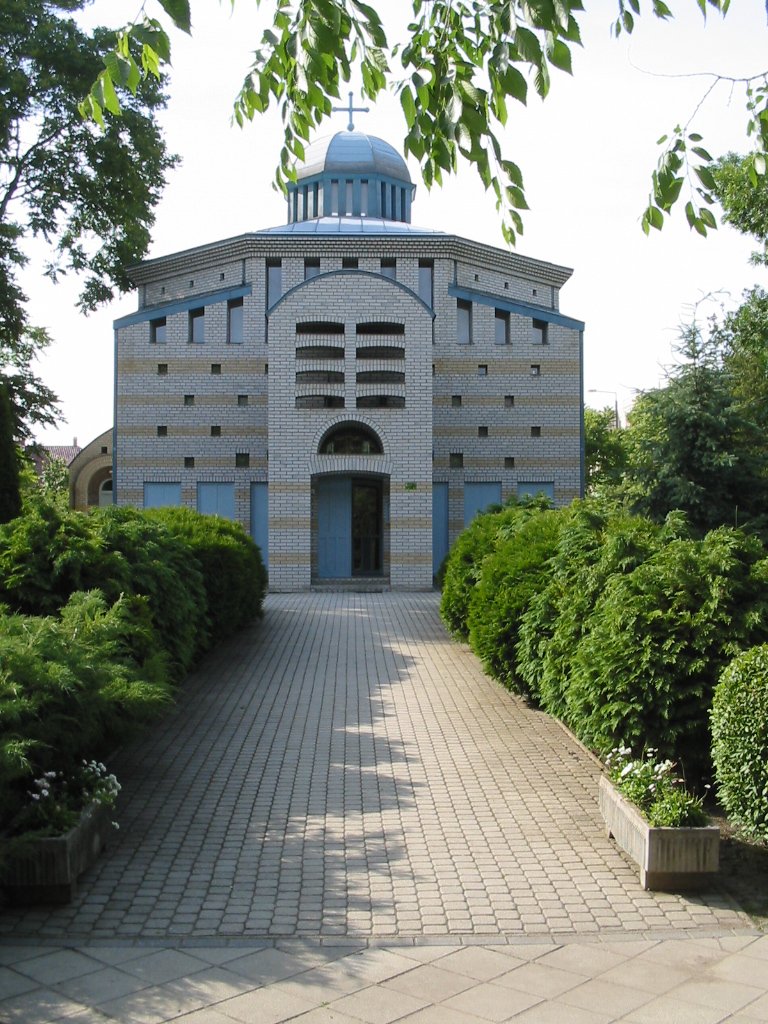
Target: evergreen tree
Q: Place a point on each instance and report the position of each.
(10, 499)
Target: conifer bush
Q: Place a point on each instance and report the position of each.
(656, 641)
(510, 576)
(49, 553)
(739, 721)
(464, 562)
(233, 572)
(72, 686)
(598, 540)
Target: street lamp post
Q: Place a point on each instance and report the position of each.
(600, 391)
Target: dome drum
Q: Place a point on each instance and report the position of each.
(351, 174)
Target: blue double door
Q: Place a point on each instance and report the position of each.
(349, 527)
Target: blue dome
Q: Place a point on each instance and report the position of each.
(351, 175)
(353, 153)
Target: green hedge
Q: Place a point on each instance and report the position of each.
(511, 574)
(101, 613)
(47, 554)
(234, 577)
(72, 686)
(616, 625)
(740, 741)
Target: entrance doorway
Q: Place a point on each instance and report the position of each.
(349, 527)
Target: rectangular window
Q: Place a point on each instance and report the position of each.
(348, 198)
(363, 198)
(388, 268)
(463, 322)
(189, 462)
(216, 431)
(189, 399)
(455, 401)
(334, 211)
(509, 401)
(162, 431)
(274, 282)
(216, 369)
(502, 327)
(456, 460)
(535, 431)
(242, 400)
(535, 369)
(482, 369)
(509, 462)
(162, 369)
(539, 332)
(311, 268)
(157, 331)
(197, 326)
(242, 460)
(482, 431)
(426, 279)
(349, 263)
(235, 321)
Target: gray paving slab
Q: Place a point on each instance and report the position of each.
(344, 820)
(344, 769)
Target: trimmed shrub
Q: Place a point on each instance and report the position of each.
(655, 644)
(234, 576)
(739, 721)
(48, 554)
(464, 562)
(510, 576)
(598, 540)
(72, 687)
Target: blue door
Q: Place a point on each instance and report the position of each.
(260, 519)
(334, 527)
(214, 499)
(439, 525)
(477, 498)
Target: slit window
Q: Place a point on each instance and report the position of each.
(463, 322)
(539, 332)
(426, 280)
(235, 321)
(501, 322)
(274, 281)
(311, 268)
(157, 331)
(197, 326)
(389, 268)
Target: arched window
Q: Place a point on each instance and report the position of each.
(350, 439)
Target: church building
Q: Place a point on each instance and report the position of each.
(350, 387)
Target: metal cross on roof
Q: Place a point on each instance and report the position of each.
(351, 110)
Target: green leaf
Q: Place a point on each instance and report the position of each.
(179, 13)
(706, 178)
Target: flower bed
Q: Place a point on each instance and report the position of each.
(45, 869)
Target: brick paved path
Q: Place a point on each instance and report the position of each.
(344, 769)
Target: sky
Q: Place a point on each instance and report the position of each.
(587, 154)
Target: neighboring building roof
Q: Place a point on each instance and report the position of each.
(352, 153)
(47, 453)
(348, 226)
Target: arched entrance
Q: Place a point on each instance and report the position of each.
(350, 526)
(348, 512)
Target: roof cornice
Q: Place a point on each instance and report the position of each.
(266, 244)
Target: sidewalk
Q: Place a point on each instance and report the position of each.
(344, 810)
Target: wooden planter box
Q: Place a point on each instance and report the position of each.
(46, 870)
(670, 859)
